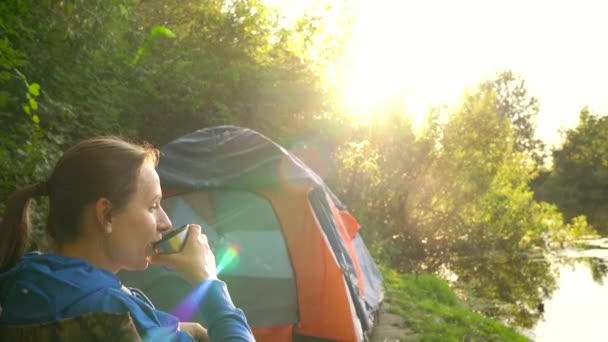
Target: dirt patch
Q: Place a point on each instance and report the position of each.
(391, 328)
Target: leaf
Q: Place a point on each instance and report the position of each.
(34, 89)
(26, 108)
(36, 119)
(149, 41)
(123, 10)
(33, 104)
(3, 98)
(162, 31)
(140, 52)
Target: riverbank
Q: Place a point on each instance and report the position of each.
(424, 308)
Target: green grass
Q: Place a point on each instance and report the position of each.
(432, 310)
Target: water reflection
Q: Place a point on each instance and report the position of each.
(513, 285)
(562, 296)
(577, 310)
(598, 269)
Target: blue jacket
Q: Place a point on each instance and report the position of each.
(46, 287)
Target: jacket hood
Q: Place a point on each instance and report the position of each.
(42, 286)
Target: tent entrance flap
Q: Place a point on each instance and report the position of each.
(247, 222)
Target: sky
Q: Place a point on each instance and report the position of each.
(436, 49)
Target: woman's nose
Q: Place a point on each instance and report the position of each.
(163, 222)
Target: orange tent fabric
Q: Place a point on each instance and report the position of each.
(325, 306)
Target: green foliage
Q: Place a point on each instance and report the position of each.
(69, 46)
(231, 63)
(25, 151)
(513, 102)
(578, 182)
(150, 70)
(457, 197)
(150, 40)
(432, 310)
(11, 25)
(392, 161)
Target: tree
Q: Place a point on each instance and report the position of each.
(578, 182)
(231, 63)
(146, 70)
(26, 150)
(495, 224)
(513, 102)
(457, 198)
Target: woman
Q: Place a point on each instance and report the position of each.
(104, 216)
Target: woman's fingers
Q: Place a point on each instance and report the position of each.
(195, 330)
(195, 262)
(194, 230)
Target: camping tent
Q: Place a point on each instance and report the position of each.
(302, 271)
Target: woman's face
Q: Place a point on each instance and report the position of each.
(140, 223)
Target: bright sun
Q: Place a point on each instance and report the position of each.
(428, 52)
(392, 55)
(396, 53)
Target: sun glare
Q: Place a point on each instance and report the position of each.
(428, 52)
(396, 54)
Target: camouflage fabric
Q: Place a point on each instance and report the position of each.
(96, 326)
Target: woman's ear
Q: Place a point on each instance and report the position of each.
(103, 214)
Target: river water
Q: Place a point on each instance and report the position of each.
(578, 309)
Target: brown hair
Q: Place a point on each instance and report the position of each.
(94, 168)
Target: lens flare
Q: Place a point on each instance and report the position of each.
(229, 257)
(186, 309)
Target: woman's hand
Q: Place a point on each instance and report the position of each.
(195, 262)
(195, 330)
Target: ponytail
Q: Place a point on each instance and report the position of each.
(15, 228)
(94, 168)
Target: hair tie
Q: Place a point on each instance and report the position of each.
(41, 189)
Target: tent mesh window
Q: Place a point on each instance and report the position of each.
(246, 237)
